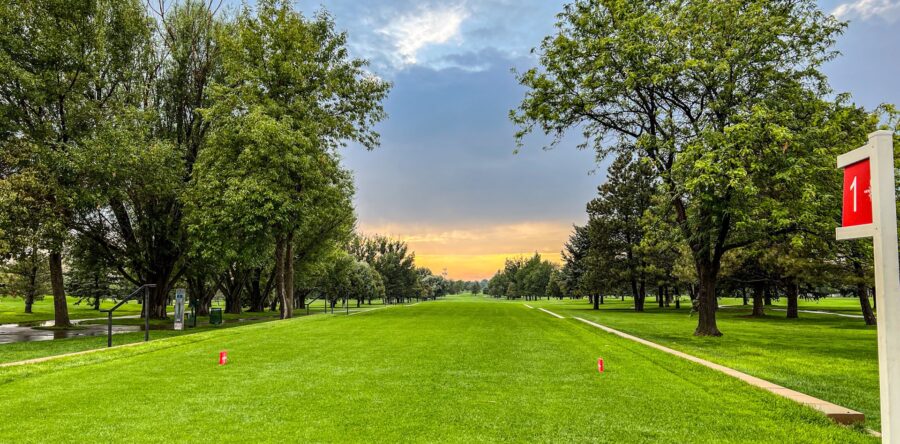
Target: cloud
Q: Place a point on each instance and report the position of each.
(888, 10)
(412, 32)
(472, 267)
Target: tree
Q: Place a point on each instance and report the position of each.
(555, 288)
(536, 277)
(61, 65)
(289, 96)
(721, 119)
(142, 161)
(574, 254)
(26, 275)
(392, 260)
(615, 226)
(89, 275)
(522, 278)
(338, 279)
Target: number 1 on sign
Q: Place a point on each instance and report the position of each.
(857, 204)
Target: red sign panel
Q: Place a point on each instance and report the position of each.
(857, 194)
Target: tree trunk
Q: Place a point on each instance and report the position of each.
(159, 298)
(793, 292)
(706, 324)
(660, 300)
(767, 296)
(288, 311)
(758, 307)
(201, 294)
(639, 300)
(254, 290)
(596, 302)
(29, 301)
(279, 274)
(60, 306)
(862, 294)
(744, 295)
(233, 302)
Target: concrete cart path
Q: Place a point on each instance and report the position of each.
(837, 413)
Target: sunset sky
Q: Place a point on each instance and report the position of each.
(445, 178)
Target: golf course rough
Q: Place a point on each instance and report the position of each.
(459, 370)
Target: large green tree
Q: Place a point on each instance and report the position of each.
(142, 162)
(718, 96)
(62, 64)
(289, 97)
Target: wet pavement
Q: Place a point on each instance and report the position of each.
(32, 331)
(10, 333)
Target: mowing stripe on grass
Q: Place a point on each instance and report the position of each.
(805, 311)
(837, 413)
(366, 311)
(49, 358)
(551, 313)
(825, 313)
(528, 306)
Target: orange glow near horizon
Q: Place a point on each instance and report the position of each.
(475, 253)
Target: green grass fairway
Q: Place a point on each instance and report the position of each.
(460, 370)
(20, 351)
(830, 357)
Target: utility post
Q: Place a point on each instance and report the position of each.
(869, 210)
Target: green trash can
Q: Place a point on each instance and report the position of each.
(215, 316)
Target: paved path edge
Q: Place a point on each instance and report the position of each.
(836, 413)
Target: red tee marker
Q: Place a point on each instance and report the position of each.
(600, 365)
(223, 357)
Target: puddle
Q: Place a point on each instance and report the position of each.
(26, 332)
(10, 333)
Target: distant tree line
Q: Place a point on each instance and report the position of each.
(526, 278)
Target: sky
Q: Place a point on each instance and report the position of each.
(446, 178)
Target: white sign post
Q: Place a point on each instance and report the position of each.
(179, 309)
(882, 228)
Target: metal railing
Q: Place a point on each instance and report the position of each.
(308, 303)
(145, 309)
